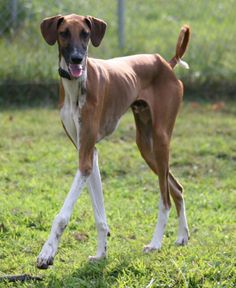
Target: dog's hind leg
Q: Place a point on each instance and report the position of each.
(95, 189)
(153, 140)
(161, 156)
(176, 191)
(49, 249)
(157, 158)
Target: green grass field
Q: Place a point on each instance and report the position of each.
(37, 165)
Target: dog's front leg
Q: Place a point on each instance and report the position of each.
(49, 249)
(95, 190)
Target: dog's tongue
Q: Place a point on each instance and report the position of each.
(76, 70)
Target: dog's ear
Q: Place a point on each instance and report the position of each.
(49, 28)
(98, 29)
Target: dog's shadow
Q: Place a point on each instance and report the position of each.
(96, 274)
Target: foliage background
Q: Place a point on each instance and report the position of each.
(151, 27)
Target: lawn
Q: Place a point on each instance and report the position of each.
(37, 165)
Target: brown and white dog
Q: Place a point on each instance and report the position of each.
(94, 94)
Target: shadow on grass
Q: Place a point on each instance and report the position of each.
(94, 274)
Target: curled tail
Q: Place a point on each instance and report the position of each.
(181, 47)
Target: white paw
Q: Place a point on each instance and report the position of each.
(183, 237)
(151, 247)
(97, 257)
(46, 256)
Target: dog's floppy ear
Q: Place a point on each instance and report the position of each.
(98, 29)
(49, 28)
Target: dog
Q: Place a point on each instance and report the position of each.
(94, 94)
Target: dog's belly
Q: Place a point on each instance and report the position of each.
(107, 129)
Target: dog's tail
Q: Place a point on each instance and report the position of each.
(181, 47)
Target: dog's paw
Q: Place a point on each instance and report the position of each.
(97, 257)
(46, 256)
(183, 238)
(151, 247)
(44, 263)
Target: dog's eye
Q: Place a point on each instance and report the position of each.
(64, 34)
(84, 34)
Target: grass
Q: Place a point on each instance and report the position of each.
(151, 28)
(37, 165)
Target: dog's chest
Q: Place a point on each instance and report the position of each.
(75, 96)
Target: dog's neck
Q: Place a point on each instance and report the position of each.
(64, 74)
(79, 83)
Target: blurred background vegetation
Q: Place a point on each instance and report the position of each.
(29, 66)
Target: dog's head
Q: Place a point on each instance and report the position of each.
(73, 32)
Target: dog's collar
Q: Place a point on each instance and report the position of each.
(64, 74)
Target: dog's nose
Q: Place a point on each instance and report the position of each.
(76, 58)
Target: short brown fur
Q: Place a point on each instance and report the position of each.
(146, 83)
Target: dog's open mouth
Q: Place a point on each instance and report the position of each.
(76, 70)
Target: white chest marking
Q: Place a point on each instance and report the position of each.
(75, 97)
(70, 114)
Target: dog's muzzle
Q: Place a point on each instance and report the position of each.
(76, 70)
